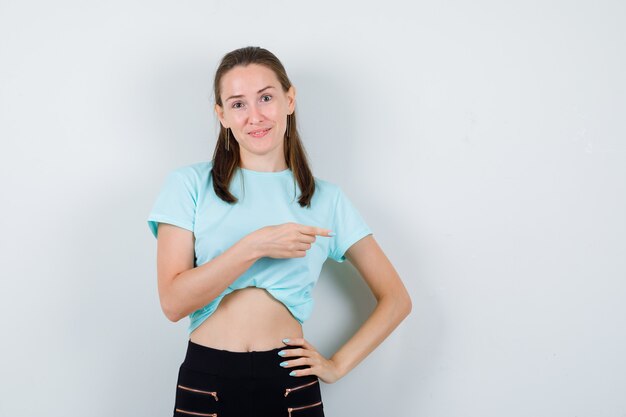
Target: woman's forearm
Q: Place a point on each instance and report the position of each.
(387, 315)
(195, 288)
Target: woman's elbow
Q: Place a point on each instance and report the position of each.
(408, 304)
(170, 313)
(403, 302)
(170, 309)
(400, 301)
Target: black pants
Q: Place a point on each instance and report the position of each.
(221, 383)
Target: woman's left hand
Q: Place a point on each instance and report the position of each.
(325, 369)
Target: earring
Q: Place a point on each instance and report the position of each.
(288, 123)
(227, 139)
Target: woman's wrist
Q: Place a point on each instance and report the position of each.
(251, 247)
(339, 370)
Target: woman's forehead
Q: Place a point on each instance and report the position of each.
(248, 80)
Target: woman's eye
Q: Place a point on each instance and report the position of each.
(235, 105)
(267, 95)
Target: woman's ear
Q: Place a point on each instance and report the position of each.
(220, 115)
(291, 98)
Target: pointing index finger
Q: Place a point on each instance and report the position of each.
(319, 231)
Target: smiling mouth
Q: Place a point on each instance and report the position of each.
(260, 133)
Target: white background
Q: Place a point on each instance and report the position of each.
(482, 141)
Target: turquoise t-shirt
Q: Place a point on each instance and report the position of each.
(187, 200)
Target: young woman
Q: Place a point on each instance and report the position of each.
(241, 242)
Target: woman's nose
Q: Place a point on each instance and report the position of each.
(255, 114)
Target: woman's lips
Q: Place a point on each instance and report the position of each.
(260, 134)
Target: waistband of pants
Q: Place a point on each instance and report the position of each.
(264, 363)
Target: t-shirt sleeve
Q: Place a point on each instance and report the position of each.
(175, 203)
(349, 226)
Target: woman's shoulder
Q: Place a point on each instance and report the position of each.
(326, 188)
(323, 182)
(194, 171)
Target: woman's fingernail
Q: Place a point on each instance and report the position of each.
(281, 353)
(283, 364)
(292, 373)
(285, 340)
(331, 233)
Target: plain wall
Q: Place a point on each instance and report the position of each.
(482, 141)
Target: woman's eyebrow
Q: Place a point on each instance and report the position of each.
(260, 91)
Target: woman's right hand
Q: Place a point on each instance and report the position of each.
(287, 240)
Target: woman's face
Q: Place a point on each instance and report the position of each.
(253, 102)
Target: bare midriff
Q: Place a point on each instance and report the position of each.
(248, 319)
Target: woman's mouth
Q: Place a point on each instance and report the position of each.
(260, 133)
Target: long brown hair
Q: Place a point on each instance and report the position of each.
(225, 162)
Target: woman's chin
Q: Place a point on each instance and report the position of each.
(261, 147)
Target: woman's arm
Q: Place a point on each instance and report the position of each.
(182, 288)
(394, 303)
